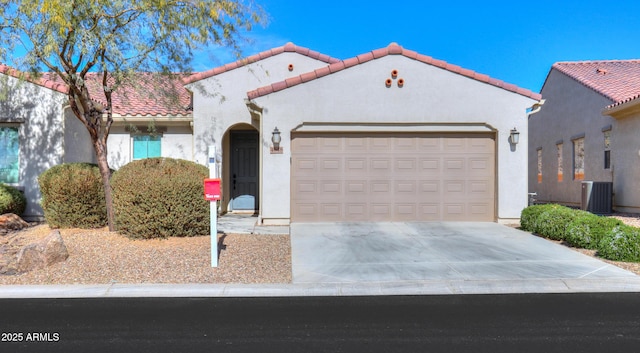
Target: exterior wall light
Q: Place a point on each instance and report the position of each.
(514, 136)
(275, 139)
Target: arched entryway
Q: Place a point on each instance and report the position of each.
(241, 168)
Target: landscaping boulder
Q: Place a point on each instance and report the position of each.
(44, 253)
(10, 221)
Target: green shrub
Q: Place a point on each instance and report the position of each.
(622, 243)
(553, 223)
(587, 230)
(159, 198)
(73, 196)
(11, 200)
(529, 216)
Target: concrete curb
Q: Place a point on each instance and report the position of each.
(451, 287)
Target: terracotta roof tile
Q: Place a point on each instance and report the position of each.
(323, 71)
(363, 58)
(394, 49)
(335, 67)
(44, 80)
(308, 76)
(279, 86)
(289, 48)
(617, 80)
(635, 99)
(378, 53)
(350, 62)
(293, 81)
(153, 95)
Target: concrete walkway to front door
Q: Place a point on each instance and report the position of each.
(445, 254)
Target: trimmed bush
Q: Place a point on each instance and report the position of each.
(73, 196)
(11, 200)
(587, 230)
(160, 198)
(529, 216)
(621, 244)
(553, 223)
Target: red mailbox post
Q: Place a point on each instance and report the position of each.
(212, 189)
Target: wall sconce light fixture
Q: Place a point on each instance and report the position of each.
(275, 139)
(514, 136)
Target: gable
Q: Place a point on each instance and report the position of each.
(392, 50)
(253, 59)
(617, 80)
(393, 87)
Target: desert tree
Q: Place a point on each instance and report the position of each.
(112, 42)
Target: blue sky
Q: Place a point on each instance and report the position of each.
(513, 41)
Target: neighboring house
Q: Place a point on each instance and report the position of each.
(587, 130)
(388, 135)
(31, 135)
(38, 130)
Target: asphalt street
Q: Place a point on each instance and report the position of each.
(461, 323)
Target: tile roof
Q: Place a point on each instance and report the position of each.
(617, 80)
(43, 81)
(635, 99)
(392, 49)
(152, 95)
(287, 48)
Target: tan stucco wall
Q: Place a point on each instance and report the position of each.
(429, 95)
(77, 141)
(570, 109)
(176, 142)
(41, 133)
(219, 103)
(625, 161)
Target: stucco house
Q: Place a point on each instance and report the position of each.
(31, 140)
(587, 130)
(38, 129)
(388, 135)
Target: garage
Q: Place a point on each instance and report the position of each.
(378, 176)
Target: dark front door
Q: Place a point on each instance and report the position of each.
(244, 170)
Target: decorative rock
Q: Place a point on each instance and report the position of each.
(10, 221)
(41, 254)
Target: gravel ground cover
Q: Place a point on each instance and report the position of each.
(101, 257)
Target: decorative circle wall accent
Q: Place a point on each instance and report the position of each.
(290, 67)
(401, 82)
(394, 73)
(388, 82)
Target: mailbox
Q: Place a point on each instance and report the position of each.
(212, 189)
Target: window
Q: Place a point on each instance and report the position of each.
(560, 171)
(578, 159)
(9, 155)
(607, 149)
(146, 146)
(539, 165)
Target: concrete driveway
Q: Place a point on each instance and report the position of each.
(487, 253)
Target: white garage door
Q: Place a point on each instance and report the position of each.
(388, 177)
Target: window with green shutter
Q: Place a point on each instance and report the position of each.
(146, 146)
(9, 154)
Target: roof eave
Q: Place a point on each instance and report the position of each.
(287, 48)
(391, 49)
(623, 110)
